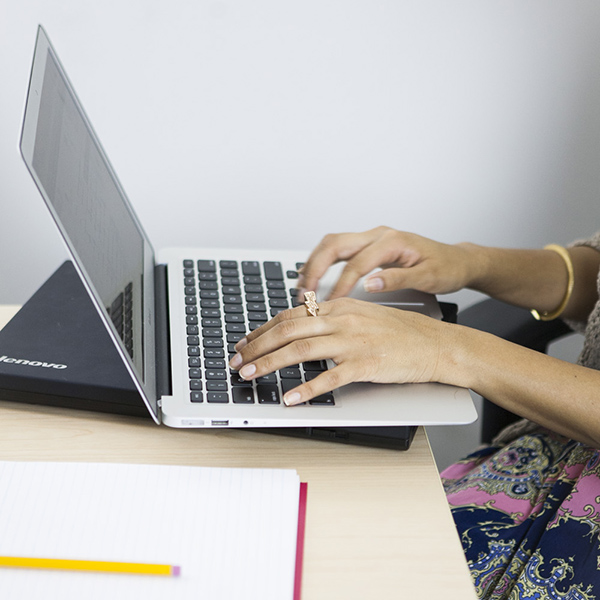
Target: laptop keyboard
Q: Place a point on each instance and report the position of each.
(223, 302)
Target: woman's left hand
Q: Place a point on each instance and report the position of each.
(367, 342)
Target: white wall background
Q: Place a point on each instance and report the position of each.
(458, 119)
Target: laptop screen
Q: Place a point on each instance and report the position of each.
(88, 204)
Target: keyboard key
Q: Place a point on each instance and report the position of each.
(216, 386)
(234, 290)
(208, 323)
(193, 351)
(250, 268)
(195, 373)
(194, 361)
(276, 294)
(290, 384)
(289, 373)
(228, 264)
(310, 375)
(195, 384)
(217, 397)
(209, 294)
(210, 313)
(267, 394)
(256, 307)
(257, 316)
(237, 381)
(188, 264)
(208, 285)
(214, 353)
(203, 276)
(233, 309)
(242, 395)
(209, 303)
(234, 318)
(235, 328)
(196, 397)
(291, 274)
(315, 365)
(226, 281)
(278, 303)
(206, 266)
(254, 289)
(252, 280)
(212, 332)
(212, 342)
(255, 297)
(323, 400)
(192, 330)
(273, 270)
(270, 378)
(230, 273)
(275, 285)
(214, 363)
(216, 374)
(231, 299)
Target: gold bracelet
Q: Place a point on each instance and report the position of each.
(548, 316)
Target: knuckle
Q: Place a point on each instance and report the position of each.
(329, 240)
(302, 349)
(286, 329)
(333, 378)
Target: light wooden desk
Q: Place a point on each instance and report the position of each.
(378, 525)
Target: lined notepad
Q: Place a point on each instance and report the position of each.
(233, 532)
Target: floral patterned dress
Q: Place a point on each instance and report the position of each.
(527, 509)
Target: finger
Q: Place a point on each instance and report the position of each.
(281, 335)
(285, 315)
(420, 277)
(332, 249)
(325, 382)
(298, 351)
(379, 252)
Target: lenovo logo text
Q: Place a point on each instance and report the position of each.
(31, 363)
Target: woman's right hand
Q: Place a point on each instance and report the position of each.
(407, 260)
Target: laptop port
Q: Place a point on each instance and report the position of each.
(219, 423)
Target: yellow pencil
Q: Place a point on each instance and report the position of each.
(90, 565)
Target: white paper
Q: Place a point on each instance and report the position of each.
(232, 531)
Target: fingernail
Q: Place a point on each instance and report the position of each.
(236, 361)
(292, 398)
(241, 343)
(247, 371)
(374, 284)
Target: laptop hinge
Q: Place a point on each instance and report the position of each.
(163, 349)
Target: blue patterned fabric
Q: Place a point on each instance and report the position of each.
(528, 516)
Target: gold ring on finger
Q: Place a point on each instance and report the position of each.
(310, 301)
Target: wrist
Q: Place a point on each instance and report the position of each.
(460, 350)
(476, 265)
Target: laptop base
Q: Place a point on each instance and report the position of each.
(56, 352)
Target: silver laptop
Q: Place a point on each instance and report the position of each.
(175, 316)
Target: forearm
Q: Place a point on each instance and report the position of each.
(535, 278)
(555, 394)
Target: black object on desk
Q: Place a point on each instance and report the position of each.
(56, 352)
